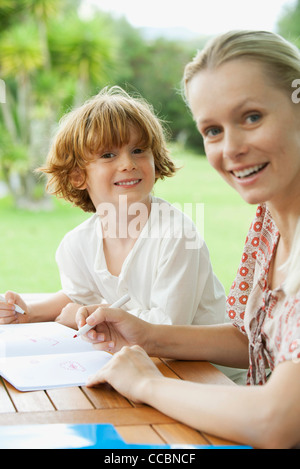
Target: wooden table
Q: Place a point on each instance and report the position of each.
(138, 424)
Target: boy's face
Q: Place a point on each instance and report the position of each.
(128, 170)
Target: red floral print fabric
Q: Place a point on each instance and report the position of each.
(269, 318)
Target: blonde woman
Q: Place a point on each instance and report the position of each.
(239, 90)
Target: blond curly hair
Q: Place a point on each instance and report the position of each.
(103, 121)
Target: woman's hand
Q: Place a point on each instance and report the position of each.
(8, 315)
(130, 372)
(113, 327)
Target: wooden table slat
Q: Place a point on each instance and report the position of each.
(6, 404)
(198, 372)
(178, 433)
(164, 368)
(69, 399)
(216, 441)
(29, 401)
(141, 435)
(132, 416)
(105, 397)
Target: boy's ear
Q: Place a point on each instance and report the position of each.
(77, 179)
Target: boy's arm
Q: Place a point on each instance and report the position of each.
(48, 309)
(38, 311)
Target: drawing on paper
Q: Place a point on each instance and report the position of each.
(50, 340)
(72, 366)
(34, 361)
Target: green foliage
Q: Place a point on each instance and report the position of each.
(51, 59)
(9, 9)
(87, 52)
(289, 24)
(20, 51)
(158, 79)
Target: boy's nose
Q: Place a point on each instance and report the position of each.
(127, 162)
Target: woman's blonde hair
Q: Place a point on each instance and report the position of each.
(102, 122)
(279, 57)
(281, 62)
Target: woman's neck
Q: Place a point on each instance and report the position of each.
(286, 221)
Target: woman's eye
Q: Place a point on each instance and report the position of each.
(212, 132)
(252, 118)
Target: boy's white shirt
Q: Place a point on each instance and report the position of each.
(168, 273)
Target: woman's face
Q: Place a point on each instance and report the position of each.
(251, 131)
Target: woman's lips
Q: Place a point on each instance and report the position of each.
(247, 172)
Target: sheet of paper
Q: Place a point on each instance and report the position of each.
(38, 372)
(39, 339)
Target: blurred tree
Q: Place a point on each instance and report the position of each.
(42, 11)
(87, 53)
(20, 57)
(48, 57)
(8, 11)
(53, 58)
(289, 23)
(165, 95)
(155, 69)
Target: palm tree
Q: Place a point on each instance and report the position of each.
(43, 11)
(87, 53)
(47, 60)
(20, 57)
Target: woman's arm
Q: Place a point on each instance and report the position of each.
(222, 344)
(267, 417)
(260, 416)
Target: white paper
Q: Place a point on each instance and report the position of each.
(39, 338)
(45, 355)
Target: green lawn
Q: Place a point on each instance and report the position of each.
(29, 240)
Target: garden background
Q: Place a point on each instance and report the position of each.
(53, 58)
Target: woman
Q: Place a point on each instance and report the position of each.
(239, 89)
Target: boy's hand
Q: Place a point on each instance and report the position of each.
(8, 315)
(67, 316)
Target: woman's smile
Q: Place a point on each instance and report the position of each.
(245, 173)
